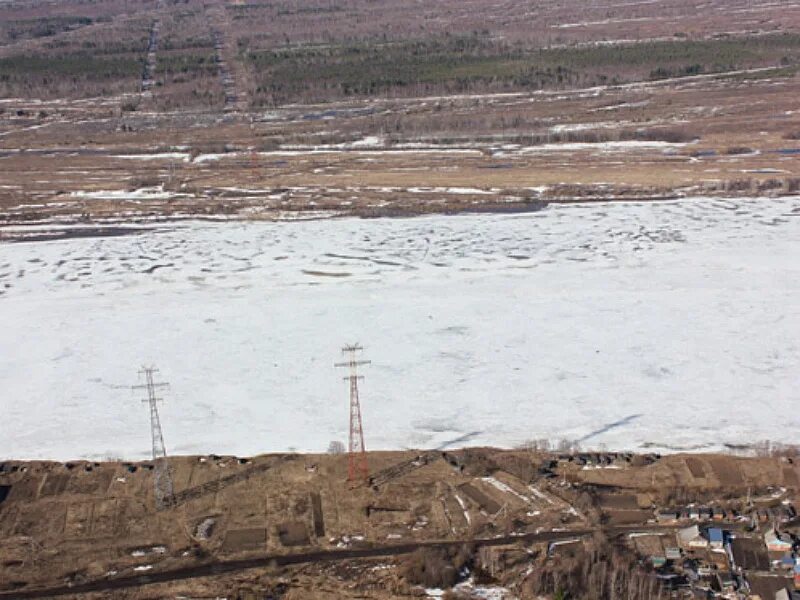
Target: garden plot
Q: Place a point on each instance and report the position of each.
(669, 325)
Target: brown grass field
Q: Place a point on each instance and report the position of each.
(286, 110)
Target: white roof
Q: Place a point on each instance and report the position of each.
(689, 533)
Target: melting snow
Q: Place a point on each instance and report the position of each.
(183, 156)
(146, 193)
(620, 146)
(464, 508)
(505, 488)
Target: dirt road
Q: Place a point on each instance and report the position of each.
(281, 560)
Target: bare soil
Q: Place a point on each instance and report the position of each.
(95, 525)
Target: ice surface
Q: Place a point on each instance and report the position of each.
(669, 325)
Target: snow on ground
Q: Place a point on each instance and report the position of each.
(506, 489)
(146, 193)
(182, 156)
(619, 146)
(603, 22)
(470, 590)
(673, 324)
(568, 127)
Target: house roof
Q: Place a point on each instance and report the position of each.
(688, 533)
(773, 537)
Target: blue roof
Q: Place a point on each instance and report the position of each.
(715, 534)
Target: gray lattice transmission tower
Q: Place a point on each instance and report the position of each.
(162, 476)
(356, 453)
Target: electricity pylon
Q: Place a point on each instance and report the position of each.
(162, 476)
(356, 453)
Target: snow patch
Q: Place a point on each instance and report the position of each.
(182, 156)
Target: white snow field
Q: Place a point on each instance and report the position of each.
(668, 326)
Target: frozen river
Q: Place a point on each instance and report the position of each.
(669, 326)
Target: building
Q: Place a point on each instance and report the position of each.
(705, 570)
(787, 594)
(666, 516)
(727, 583)
(652, 547)
(776, 542)
(716, 537)
(690, 537)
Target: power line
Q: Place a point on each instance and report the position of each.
(162, 477)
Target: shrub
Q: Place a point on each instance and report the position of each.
(436, 567)
(738, 150)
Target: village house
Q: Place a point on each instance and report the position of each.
(777, 542)
(716, 537)
(691, 538)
